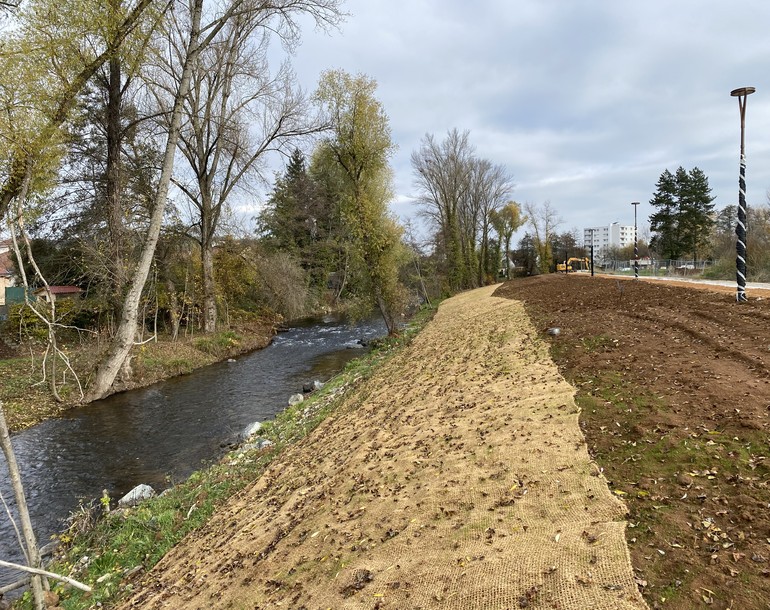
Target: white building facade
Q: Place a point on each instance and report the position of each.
(606, 237)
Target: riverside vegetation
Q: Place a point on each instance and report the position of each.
(27, 398)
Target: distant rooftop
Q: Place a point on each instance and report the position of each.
(60, 290)
(6, 266)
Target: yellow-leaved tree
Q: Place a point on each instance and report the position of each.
(360, 144)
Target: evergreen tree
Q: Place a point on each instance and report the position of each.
(684, 217)
(664, 223)
(696, 210)
(290, 220)
(303, 217)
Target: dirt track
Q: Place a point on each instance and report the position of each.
(456, 478)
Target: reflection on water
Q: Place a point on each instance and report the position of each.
(162, 433)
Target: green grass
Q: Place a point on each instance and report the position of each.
(219, 343)
(599, 343)
(141, 536)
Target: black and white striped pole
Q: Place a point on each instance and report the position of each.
(636, 244)
(740, 227)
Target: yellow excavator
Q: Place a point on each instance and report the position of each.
(574, 264)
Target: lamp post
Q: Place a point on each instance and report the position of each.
(636, 244)
(592, 252)
(740, 227)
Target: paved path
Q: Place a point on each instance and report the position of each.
(699, 281)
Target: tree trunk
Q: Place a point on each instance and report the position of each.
(114, 207)
(124, 337)
(390, 323)
(209, 289)
(32, 552)
(173, 308)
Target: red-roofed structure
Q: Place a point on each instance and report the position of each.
(58, 292)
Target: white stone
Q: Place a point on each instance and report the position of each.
(136, 495)
(250, 430)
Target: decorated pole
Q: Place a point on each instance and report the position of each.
(740, 227)
(636, 244)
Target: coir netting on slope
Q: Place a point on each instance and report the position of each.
(456, 478)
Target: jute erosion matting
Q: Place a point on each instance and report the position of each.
(456, 478)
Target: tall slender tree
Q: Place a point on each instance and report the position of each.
(442, 174)
(236, 112)
(361, 145)
(197, 38)
(457, 193)
(544, 220)
(506, 221)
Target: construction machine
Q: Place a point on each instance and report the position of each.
(574, 264)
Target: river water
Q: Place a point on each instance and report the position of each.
(161, 434)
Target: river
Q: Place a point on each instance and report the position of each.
(161, 434)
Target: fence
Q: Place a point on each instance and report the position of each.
(654, 267)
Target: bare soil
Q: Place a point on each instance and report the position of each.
(674, 387)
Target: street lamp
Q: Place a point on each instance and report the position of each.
(592, 252)
(740, 227)
(636, 244)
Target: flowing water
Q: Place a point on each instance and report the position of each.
(162, 433)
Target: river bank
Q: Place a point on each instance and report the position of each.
(455, 476)
(139, 537)
(27, 399)
(673, 391)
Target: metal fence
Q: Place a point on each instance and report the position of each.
(655, 267)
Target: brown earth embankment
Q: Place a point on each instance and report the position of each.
(456, 477)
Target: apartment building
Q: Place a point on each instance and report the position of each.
(614, 234)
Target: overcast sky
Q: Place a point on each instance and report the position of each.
(586, 102)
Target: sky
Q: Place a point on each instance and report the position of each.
(585, 102)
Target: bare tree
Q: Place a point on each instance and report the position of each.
(442, 172)
(544, 221)
(490, 186)
(457, 193)
(235, 113)
(198, 38)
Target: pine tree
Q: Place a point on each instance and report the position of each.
(684, 217)
(665, 223)
(696, 211)
(287, 219)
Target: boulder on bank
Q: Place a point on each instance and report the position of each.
(250, 431)
(295, 399)
(312, 387)
(136, 495)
